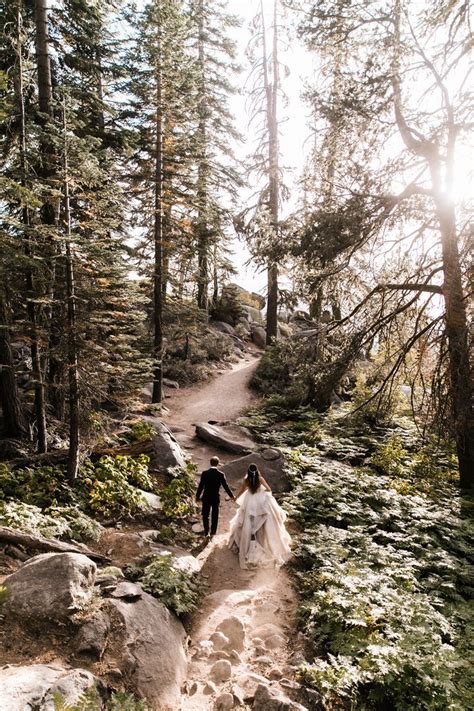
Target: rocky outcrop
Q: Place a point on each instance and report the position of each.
(232, 438)
(35, 686)
(284, 329)
(254, 314)
(270, 462)
(247, 298)
(270, 699)
(91, 639)
(259, 335)
(51, 586)
(152, 501)
(223, 327)
(130, 632)
(151, 643)
(167, 453)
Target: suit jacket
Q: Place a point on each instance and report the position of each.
(211, 481)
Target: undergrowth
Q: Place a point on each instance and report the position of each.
(107, 488)
(119, 701)
(159, 575)
(385, 582)
(177, 497)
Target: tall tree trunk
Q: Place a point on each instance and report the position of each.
(73, 368)
(215, 277)
(461, 377)
(14, 423)
(39, 404)
(50, 207)
(157, 394)
(271, 92)
(202, 231)
(440, 162)
(166, 250)
(45, 88)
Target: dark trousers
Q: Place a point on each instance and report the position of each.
(210, 506)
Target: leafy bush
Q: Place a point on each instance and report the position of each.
(119, 701)
(177, 498)
(167, 533)
(385, 584)
(175, 588)
(81, 527)
(390, 457)
(54, 522)
(381, 410)
(282, 374)
(140, 430)
(3, 595)
(109, 485)
(39, 486)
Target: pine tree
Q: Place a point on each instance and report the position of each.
(214, 54)
(161, 79)
(263, 229)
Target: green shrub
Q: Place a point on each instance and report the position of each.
(381, 410)
(167, 533)
(281, 372)
(109, 485)
(39, 486)
(385, 582)
(390, 458)
(3, 595)
(53, 522)
(141, 430)
(177, 498)
(81, 527)
(160, 577)
(119, 701)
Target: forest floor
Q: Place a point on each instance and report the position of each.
(264, 601)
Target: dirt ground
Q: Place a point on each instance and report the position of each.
(262, 599)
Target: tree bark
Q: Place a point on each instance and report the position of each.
(14, 422)
(202, 230)
(157, 394)
(73, 367)
(461, 379)
(45, 88)
(271, 92)
(39, 404)
(440, 163)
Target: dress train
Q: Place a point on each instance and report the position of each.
(258, 531)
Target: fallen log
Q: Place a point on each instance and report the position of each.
(52, 545)
(58, 456)
(131, 449)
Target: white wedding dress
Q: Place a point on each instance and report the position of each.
(258, 531)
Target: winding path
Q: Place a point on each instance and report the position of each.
(257, 605)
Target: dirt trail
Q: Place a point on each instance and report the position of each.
(255, 609)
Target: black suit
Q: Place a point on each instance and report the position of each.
(211, 481)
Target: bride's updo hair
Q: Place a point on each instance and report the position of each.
(253, 478)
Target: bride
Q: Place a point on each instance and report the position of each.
(258, 528)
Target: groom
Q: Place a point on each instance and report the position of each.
(211, 481)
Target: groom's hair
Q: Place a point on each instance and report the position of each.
(214, 461)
